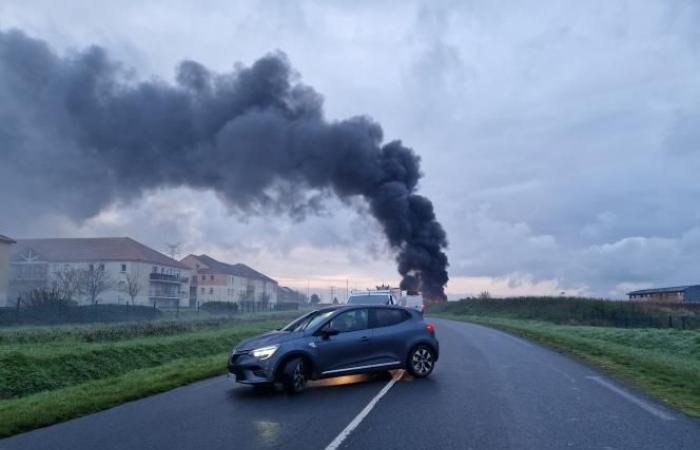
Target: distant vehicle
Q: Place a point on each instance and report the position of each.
(375, 297)
(334, 341)
(412, 300)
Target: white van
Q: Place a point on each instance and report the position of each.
(413, 300)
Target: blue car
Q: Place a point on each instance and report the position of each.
(334, 341)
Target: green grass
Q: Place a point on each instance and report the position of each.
(51, 374)
(49, 407)
(665, 363)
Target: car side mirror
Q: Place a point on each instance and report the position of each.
(328, 332)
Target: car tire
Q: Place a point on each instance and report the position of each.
(421, 361)
(294, 375)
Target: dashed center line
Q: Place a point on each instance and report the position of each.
(361, 416)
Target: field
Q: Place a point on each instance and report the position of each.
(655, 356)
(51, 374)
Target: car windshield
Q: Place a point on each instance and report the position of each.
(368, 300)
(308, 320)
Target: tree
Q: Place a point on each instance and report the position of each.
(95, 281)
(484, 295)
(131, 285)
(315, 299)
(69, 284)
(335, 301)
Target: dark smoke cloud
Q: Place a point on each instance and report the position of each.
(77, 133)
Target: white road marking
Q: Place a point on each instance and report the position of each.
(360, 417)
(637, 401)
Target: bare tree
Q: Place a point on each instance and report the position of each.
(69, 284)
(131, 285)
(95, 281)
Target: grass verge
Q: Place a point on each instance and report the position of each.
(46, 382)
(663, 363)
(49, 407)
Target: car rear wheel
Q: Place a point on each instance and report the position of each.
(294, 375)
(421, 361)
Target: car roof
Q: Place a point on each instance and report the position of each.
(347, 307)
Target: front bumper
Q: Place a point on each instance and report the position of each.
(250, 370)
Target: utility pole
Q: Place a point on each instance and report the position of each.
(174, 250)
(347, 290)
(331, 294)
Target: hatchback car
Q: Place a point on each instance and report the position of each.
(334, 341)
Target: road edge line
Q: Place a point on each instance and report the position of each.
(632, 398)
(360, 417)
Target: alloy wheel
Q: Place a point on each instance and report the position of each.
(299, 377)
(422, 361)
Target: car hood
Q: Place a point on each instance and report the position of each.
(266, 339)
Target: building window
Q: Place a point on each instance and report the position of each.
(155, 269)
(202, 290)
(91, 267)
(101, 267)
(211, 290)
(123, 267)
(211, 277)
(203, 278)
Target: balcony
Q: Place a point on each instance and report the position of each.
(167, 278)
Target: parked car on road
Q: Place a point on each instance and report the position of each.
(334, 341)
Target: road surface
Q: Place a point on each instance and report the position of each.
(489, 390)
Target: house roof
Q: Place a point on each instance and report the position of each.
(663, 290)
(93, 249)
(6, 240)
(240, 270)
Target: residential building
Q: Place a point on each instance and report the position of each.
(5, 245)
(670, 294)
(158, 279)
(214, 280)
(289, 295)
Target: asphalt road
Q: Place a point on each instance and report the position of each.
(490, 390)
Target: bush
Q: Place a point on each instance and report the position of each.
(228, 308)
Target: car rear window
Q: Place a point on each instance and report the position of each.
(368, 300)
(388, 317)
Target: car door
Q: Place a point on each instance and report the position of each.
(349, 348)
(391, 330)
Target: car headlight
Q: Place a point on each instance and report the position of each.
(264, 352)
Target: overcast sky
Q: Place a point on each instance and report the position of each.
(560, 140)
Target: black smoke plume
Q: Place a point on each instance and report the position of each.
(77, 132)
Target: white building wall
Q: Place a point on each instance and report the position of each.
(117, 273)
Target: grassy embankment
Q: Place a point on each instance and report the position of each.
(663, 362)
(51, 374)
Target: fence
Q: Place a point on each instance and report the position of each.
(64, 314)
(581, 311)
(230, 308)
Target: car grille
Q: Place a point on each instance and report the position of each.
(237, 354)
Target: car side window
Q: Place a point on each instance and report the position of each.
(385, 317)
(352, 320)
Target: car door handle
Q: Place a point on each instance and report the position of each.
(364, 338)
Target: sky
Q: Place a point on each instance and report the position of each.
(559, 140)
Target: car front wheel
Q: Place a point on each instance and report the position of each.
(421, 361)
(294, 375)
